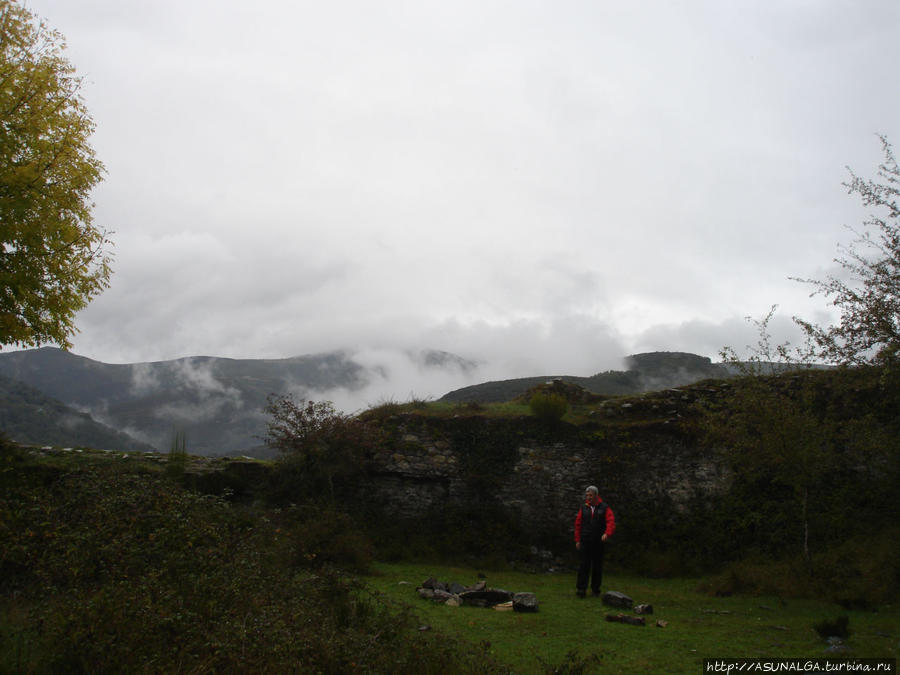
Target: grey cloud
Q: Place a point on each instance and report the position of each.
(144, 379)
(709, 338)
(539, 189)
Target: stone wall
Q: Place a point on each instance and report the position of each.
(539, 475)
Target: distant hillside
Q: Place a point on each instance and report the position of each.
(646, 372)
(27, 416)
(218, 403)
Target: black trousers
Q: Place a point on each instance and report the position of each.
(591, 568)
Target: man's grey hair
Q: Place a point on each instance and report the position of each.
(592, 488)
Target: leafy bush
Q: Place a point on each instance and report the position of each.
(323, 451)
(327, 537)
(862, 572)
(548, 406)
(107, 571)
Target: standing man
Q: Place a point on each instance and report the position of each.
(594, 524)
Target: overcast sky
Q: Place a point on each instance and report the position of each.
(541, 186)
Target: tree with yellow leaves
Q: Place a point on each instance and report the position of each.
(53, 260)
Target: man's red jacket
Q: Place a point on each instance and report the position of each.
(610, 522)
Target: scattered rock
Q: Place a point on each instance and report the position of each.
(836, 646)
(616, 599)
(623, 618)
(643, 609)
(486, 598)
(504, 606)
(661, 623)
(525, 602)
(479, 595)
(441, 596)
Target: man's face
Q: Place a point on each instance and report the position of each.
(590, 498)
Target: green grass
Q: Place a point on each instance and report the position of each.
(577, 413)
(699, 626)
(448, 409)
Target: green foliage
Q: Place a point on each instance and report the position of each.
(323, 450)
(481, 534)
(867, 291)
(548, 407)
(806, 440)
(814, 456)
(776, 437)
(52, 259)
(859, 572)
(105, 570)
(327, 537)
(387, 408)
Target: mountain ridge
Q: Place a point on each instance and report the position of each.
(219, 403)
(648, 371)
(28, 416)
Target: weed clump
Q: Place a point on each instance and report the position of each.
(548, 407)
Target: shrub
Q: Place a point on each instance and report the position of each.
(323, 450)
(107, 571)
(548, 406)
(327, 537)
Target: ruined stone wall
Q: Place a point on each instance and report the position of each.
(539, 477)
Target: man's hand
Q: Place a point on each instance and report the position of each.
(577, 545)
(604, 538)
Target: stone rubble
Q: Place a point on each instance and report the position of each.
(454, 594)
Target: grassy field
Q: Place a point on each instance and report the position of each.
(697, 626)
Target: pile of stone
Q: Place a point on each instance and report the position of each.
(622, 601)
(454, 594)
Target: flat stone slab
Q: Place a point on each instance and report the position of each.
(617, 599)
(486, 598)
(624, 618)
(525, 602)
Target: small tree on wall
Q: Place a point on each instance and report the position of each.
(772, 431)
(327, 448)
(868, 293)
